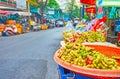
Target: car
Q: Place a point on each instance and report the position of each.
(36, 27)
(59, 23)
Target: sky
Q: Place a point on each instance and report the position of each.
(62, 3)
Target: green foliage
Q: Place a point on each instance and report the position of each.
(41, 5)
(33, 3)
(76, 11)
(70, 5)
(53, 4)
(73, 9)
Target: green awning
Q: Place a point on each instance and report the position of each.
(109, 3)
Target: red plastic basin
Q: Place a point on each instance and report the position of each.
(94, 73)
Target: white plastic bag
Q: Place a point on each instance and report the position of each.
(69, 26)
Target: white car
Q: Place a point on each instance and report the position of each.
(60, 23)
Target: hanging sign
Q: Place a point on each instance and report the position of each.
(21, 4)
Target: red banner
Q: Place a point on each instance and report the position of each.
(91, 2)
(91, 9)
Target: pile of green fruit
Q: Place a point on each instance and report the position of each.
(67, 35)
(78, 54)
(89, 36)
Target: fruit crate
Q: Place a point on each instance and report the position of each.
(67, 74)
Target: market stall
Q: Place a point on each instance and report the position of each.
(85, 53)
(9, 27)
(10, 19)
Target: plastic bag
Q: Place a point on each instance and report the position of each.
(90, 24)
(69, 26)
(68, 31)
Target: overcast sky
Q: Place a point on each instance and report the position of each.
(63, 2)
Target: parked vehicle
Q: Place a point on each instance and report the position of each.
(59, 23)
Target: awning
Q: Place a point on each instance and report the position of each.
(24, 13)
(10, 8)
(3, 12)
(109, 3)
(21, 13)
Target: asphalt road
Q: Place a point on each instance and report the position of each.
(30, 55)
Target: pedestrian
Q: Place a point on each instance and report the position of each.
(31, 24)
(44, 20)
(24, 23)
(51, 24)
(117, 29)
(112, 25)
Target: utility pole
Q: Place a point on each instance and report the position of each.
(28, 5)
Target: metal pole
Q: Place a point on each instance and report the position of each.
(28, 5)
(82, 11)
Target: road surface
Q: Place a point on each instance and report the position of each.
(30, 55)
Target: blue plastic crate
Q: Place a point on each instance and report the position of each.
(77, 76)
(67, 74)
(117, 22)
(64, 73)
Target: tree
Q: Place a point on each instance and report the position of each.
(76, 11)
(42, 6)
(33, 3)
(53, 4)
(70, 7)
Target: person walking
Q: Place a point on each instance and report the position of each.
(112, 28)
(31, 24)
